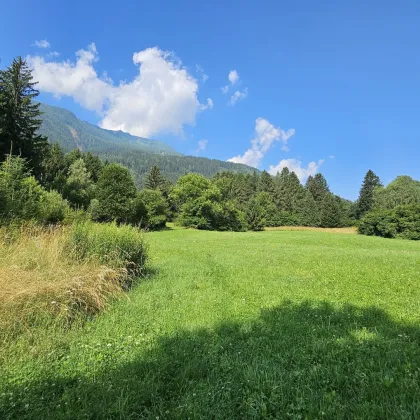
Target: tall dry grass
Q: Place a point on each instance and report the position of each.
(41, 280)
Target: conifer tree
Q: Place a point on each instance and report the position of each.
(266, 183)
(20, 116)
(154, 179)
(365, 201)
(330, 212)
(318, 187)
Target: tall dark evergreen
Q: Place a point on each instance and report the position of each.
(318, 187)
(330, 212)
(20, 116)
(154, 179)
(266, 183)
(365, 201)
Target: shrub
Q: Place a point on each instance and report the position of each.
(115, 246)
(52, 208)
(402, 222)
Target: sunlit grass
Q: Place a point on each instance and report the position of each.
(277, 324)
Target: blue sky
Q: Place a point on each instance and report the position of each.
(314, 80)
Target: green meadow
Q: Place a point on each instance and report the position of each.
(254, 325)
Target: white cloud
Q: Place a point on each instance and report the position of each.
(295, 166)
(209, 105)
(265, 135)
(43, 43)
(53, 54)
(201, 73)
(233, 76)
(162, 97)
(238, 96)
(201, 145)
(332, 157)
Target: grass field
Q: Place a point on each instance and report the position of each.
(275, 324)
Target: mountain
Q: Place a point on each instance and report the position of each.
(137, 153)
(64, 127)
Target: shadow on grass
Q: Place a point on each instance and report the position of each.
(301, 361)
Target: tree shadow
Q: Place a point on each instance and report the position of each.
(299, 361)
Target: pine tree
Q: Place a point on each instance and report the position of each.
(154, 179)
(308, 211)
(266, 183)
(318, 187)
(20, 116)
(330, 212)
(365, 201)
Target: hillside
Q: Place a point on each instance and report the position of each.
(137, 153)
(64, 127)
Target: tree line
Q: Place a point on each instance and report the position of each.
(39, 181)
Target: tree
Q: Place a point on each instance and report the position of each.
(309, 211)
(330, 212)
(156, 208)
(404, 190)
(115, 192)
(365, 201)
(78, 188)
(20, 116)
(318, 187)
(55, 168)
(255, 215)
(266, 183)
(154, 179)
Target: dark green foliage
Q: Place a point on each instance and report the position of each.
(403, 190)
(365, 201)
(401, 222)
(78, 189)
(154, 179)
(115, 192)
(318, 187)
(156, 208)
(265, 201)
(255, 215)
(20, 116)
(330, 212)
(309, 211)
(22, 198)
(266, 183)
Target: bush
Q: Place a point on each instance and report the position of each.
(52, 208)
(115, 246)
(401, 222)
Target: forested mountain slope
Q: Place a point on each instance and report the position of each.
(137, 153)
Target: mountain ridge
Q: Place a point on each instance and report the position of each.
(137, 153)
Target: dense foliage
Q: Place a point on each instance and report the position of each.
(40, 181)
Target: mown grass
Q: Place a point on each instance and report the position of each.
(238, 325)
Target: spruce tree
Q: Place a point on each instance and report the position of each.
(330, 212)
(154, 179)
(365, 201)
(266, 183)
(20, 116)
(318, 187)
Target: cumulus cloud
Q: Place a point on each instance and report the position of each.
(295, 166)
(233, 76)
(201, 145)
(43, 43)
(265, 135)
(238, 96)
(161, 98)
